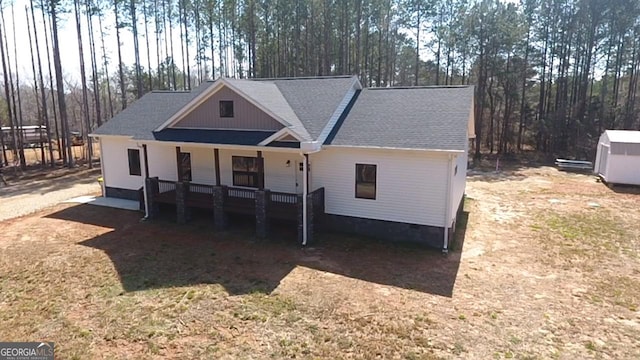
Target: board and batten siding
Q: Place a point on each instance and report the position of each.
(245, 114)
(411, 186)
(115, 163)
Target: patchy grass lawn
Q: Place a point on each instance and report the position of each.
(538, 273)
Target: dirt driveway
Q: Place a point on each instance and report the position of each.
(549, 269)
(41, 190)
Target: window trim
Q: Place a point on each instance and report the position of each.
(220, 104)
(254, 174)
(182, 169)
(375, 183)
(133, 171)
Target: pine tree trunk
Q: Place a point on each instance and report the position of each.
(85, 96)
(16, 92)
(36, 89)
(7, 93)
(94, 65)
(43, 96)
(60, 86)
(123, 89)
(62, 145)
(105, 63)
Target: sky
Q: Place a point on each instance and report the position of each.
(68, 44)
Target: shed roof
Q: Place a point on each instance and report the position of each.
(430, 117)
(623, 136)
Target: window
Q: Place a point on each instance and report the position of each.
(245, 171)
(366, 181)
(226, 108)
(185, 166)
(134, 162)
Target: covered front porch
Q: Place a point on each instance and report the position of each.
(218, 193)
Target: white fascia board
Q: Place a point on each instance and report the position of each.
(441, 151)
(279, 134)
(471, 125)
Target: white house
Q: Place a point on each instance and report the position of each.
(324, 152)
(618, 157)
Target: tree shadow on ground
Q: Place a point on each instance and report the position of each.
(161, 253)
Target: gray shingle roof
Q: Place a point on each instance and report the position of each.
(306, 104)
(415, 118)
(147, 113)
(314, 100)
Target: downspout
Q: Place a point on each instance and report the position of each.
(305, 190)
(447, 214)
(144, 180)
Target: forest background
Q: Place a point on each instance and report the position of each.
(549, 75)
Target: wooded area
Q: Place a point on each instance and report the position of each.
(550, 75)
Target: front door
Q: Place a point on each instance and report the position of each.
(299, 170)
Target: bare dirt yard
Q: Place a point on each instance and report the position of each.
(37, 189)
(547, 267)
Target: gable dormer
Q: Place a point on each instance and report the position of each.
(225, 108)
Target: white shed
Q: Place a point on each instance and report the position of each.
(618, 157)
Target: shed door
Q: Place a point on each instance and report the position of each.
(604, 157)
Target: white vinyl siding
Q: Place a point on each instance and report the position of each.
(277, 175)
(202, 164)
(162, 161)
(411, 186)
(459, 182)
(115, 159)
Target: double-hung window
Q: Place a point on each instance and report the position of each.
(245, 171)
(134, 162)
(366, 181)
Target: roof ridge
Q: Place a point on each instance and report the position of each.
(304, 78)
(420, 87)
(171, 91)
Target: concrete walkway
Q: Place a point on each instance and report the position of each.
(108, 202)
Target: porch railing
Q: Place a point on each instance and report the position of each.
(241, 193)
(285, 198)
(166, 186)
(238, 200)
(201, 188)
